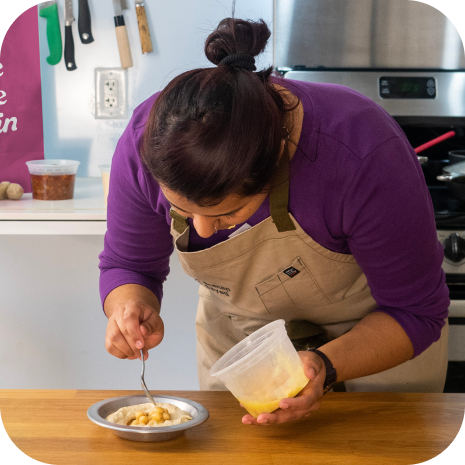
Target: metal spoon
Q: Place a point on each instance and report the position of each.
(142, 381)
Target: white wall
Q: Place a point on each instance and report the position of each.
(51, 324)
(178, 28)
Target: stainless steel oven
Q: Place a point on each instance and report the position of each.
(407, 57)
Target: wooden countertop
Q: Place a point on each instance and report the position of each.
(350, 428)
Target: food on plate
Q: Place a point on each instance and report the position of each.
(52, 187)
(161, 414)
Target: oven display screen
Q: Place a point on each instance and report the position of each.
(407, 87)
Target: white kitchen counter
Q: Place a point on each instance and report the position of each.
(85, 214)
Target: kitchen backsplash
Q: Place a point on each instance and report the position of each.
(178, 30)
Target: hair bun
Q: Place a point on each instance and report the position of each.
(236, 36)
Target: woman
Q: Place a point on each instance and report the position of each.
(335, 225)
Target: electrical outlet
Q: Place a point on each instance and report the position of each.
(110, 93)
(110, 102)
(110, 88)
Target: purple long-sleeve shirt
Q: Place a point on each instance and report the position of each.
(356, 187)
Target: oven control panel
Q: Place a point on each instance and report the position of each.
(407, 87)
(454, 251)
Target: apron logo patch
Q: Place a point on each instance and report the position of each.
(218, 289)
(291, 271)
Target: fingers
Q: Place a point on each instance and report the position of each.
(132, 328)
(279, 416)
(305, 403)
(115, 343)
(307, 398)
(128, 322)
(313, 364)
(152, 330)
(249, 420)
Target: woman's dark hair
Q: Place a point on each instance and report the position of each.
(214, 132)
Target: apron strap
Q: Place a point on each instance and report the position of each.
(279, 196)
(179, 222)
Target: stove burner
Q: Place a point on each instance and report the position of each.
(449, 212)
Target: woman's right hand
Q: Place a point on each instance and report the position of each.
(134, 322)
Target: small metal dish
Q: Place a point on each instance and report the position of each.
(99, 411)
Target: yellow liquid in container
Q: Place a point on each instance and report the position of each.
(261, 382)
(267, 406)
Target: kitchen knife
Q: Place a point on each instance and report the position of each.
(144, 31)
(49, 11)
(69, 41)
(84, 23)
(122, 33)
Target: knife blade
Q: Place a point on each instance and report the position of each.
(85, 23)
(122, 34)
(69, 41)
(144, 31)
(49, 11)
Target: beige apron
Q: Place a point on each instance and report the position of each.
(275, 270)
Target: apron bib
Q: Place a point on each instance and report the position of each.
(274, 270)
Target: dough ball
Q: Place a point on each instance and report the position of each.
(3, 187)
(14, 191)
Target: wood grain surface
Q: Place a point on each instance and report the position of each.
(124, 47)
(349, 428)
(144, 31)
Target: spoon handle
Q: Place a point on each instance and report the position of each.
(142, 381)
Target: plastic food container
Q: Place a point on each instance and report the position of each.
(105, 170)
(262, 369)
(52, 179)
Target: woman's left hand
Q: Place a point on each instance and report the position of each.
(306, 402)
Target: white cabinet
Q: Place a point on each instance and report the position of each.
(85, 214)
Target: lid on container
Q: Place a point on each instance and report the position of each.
(105, 168)
(53, 166)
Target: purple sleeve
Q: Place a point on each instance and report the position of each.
(389, 221)
(138, 243)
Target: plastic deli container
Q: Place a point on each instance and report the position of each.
(262, 369)
(52, 179)
(105, 170)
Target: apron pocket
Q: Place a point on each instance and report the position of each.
(292, 287)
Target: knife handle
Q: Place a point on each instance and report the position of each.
(123, 42)
(69, 49)
(84, 23)
(55, 44)
(144, 31)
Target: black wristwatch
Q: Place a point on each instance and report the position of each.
(331, 375)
